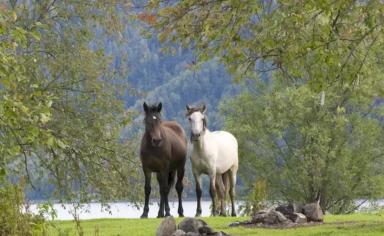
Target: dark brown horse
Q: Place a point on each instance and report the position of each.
(163, 150)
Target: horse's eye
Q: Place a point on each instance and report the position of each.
(189, 118)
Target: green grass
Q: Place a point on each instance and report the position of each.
(354, 224)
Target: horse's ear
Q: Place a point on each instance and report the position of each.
(203, 109)
(145, 106)
(188, 107)
(159, 107)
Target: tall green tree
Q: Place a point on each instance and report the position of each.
(307, 151)
(327, 43)
(61, 108)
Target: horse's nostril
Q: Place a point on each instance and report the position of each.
(156, 141)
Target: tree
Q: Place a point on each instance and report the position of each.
(326, 43)
(61, 109)
(307, 151)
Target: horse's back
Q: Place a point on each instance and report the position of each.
(175, 127)
(227, 146)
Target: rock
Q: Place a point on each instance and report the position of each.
(299, 218)
(259, 217)
(275, 217)
(178, 232)
(206, 230)
(234, 224)
(271, 217)
(313, 212)
(298, 208)
(285, 209)
(191, 225)
(221, 233)
(166, 227)
(192, 234)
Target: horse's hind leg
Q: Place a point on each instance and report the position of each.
(232, 184)
(221, 193)
(179, 190)
(147, 192)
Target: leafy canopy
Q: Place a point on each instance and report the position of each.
(323, 42)
(61, 110)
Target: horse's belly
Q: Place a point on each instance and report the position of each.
(227, 158)
(201, 165)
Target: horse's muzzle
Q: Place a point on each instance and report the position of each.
(156, 142)
(195, 137)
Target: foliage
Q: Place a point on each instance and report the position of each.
(307, 151)
(13, 220)
(61, 109)
(323, 42)
(256, 199)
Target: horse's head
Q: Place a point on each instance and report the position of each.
(152, 122)
(197, 120)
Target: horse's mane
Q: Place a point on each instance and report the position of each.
(192, 110)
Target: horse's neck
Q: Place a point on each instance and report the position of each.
(200, 145)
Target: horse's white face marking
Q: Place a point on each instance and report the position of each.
(154, 117)
(196, 121)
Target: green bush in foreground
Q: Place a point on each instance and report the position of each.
(15, 221)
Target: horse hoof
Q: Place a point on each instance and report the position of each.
(223, 214)
(160, 216)
(233, 214)
(181, 215)
(143, 216)
(167, 214)
(198, 215)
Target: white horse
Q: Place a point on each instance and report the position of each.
(214, 154)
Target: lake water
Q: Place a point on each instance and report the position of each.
(122, 210)
(128, 210)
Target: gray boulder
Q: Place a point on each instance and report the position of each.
(167, 227)
(286, 209)
(206, 230)
(313, 212)
(299, 218)
(221, 233)
(178, 232)
(189, 224)
(259, 217)
(192, 234)
(271, 217)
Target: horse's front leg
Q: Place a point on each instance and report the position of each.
(179, 190)
(147, 192)
(212, 192)
(198, 193)
(162, 178)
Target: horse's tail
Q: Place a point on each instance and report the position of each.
(171, 179)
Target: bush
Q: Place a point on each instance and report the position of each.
(14, 220)
(257, 199)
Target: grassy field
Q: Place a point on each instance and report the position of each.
(354, 224)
